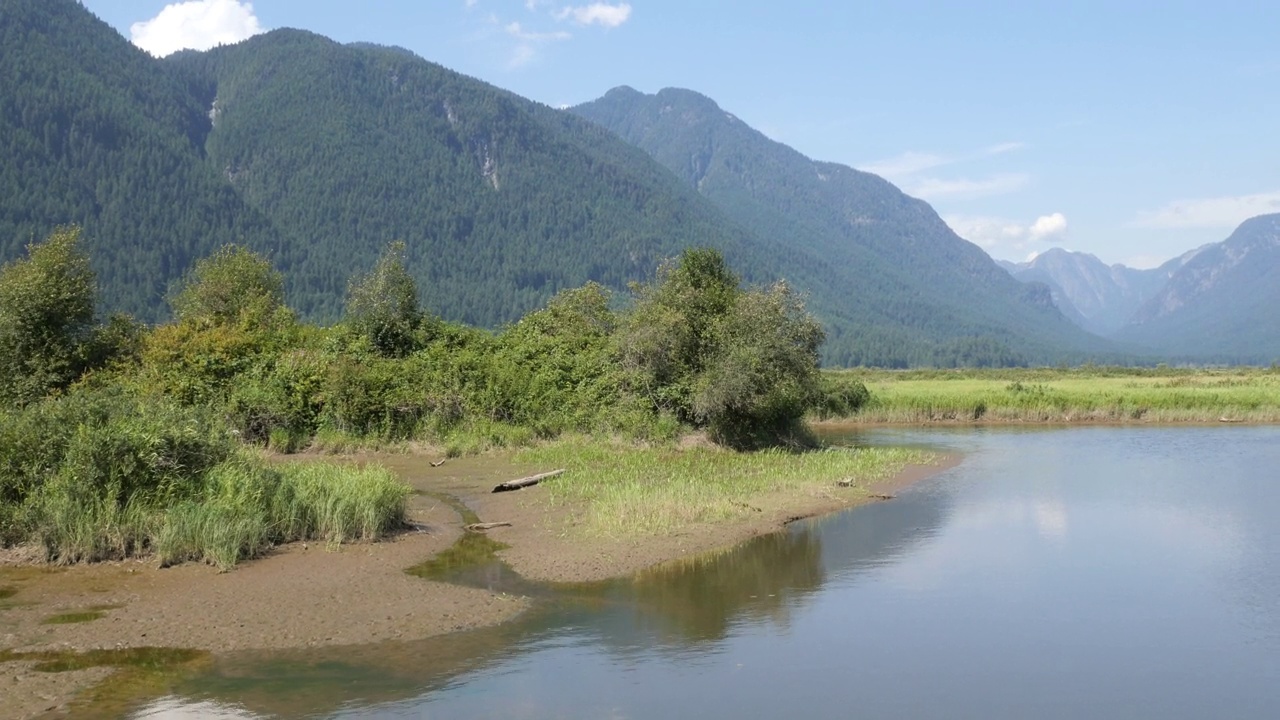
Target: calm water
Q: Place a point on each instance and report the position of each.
(1078, 573)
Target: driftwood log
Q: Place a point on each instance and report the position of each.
(1229, 420)
(481, 527)
(527, 481)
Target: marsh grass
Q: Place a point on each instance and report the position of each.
(1071, 395)
(627, 491)
(239, 509)
(250, 506)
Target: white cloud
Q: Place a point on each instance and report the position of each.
(1048, 226)
(516, 31)
(1002, 148)
(904, 165)
(964, 188)
(997, 234)
(1219, 212)
(524, 45)
(196, 25)
(603, 14)
(910, 171)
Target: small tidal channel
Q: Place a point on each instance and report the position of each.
(1082, 572)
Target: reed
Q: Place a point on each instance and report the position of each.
(627, 491)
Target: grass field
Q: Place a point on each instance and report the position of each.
(629, 491)
(1051, 395)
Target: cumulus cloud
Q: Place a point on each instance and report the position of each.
(913, 172)
(599, 13)
(1048, 226)
(997, 234)
(1219, 212)
(196, 25)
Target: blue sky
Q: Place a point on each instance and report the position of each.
(1133, 130)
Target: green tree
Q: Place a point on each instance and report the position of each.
(741, 363)
(382, 306)
(235, 286)
(231, 320)
(46, 317)
(763, 375)
(668, 337)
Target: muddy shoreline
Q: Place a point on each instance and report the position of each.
(307, 595)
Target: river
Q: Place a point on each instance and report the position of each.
(1100, 572)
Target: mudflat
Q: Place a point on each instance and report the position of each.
(308, 595)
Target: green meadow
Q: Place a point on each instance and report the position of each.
(1075, 395)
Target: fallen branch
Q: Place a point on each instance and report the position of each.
(881, 496)
(526, 482)
(1229, 420)
(481, 527)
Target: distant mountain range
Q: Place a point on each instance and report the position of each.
(1217, 302)
(1100, 298)
(318, 154)
(915, 292)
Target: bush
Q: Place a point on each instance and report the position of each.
(235, 286)
(382, 307)
(743, 364)
(841, 396)
(46, 314)
(84, 473)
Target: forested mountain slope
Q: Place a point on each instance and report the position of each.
(319, 154)
(501, 201)
(917, 292)
(1222, 303)
(97, 132)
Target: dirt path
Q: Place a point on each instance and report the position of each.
(309, 595)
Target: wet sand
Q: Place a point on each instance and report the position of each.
(308, 595)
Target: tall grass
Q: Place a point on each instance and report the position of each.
(1075, 395)
(250, 506)
(104, 475)
(632, 491)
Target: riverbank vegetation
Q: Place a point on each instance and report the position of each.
(118, 439)
(1063, 395)
(630, 491)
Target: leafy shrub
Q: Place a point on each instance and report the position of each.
(382, 306)
(743, 364)
(46, 314)
(841, 396)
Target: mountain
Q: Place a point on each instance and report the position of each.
(915, 293)
(318, 154)
(95, 131)
(1222, 302)
(1100, 298)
